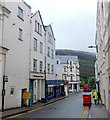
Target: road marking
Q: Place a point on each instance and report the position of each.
(13, 116)
(85, 113)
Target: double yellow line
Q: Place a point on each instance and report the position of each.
(85, 113)
(13, 116)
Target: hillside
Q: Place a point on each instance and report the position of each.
(86, 60)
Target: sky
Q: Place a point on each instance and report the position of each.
(73, 21)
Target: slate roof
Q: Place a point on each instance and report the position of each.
(64, 59)
(58, 68)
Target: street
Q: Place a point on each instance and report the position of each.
(70, 107)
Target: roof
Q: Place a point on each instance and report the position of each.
(65, 58)
(38, 12)
(47, 26)
(58, 68)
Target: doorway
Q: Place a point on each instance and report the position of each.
(31, 91)
(23, 101)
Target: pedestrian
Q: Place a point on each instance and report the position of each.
(99, 97)
(95, 96)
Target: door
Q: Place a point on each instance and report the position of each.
(31, 91)
(23, 101)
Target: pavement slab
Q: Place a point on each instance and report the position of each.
(98, 111)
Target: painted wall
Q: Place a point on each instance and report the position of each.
(17, 59)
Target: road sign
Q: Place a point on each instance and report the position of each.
(26, 95)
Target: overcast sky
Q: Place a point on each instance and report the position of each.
(73, 21)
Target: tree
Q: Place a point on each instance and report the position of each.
(91, 83)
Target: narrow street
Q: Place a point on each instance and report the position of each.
(70, 107)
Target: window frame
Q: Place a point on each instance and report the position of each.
(35, 44)
(35, 65)
(20, 13)
(41, 66)
(41, 47)
(48, 69)
(20, 34)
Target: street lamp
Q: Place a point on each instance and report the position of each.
(3, 52)
(5, 79)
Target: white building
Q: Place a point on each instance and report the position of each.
(15, 39)
(49, 61)
(37, 58)
(70, 71)
(103, 50)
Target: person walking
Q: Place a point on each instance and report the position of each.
(95, 96)
(99, 97)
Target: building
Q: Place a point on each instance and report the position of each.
(37, 59)
(52, 85)
(14, 52)
(103, 50)
(70, 71)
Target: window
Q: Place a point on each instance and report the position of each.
(20, 34)
(65, 69)
(57, 62)
(20, 13)
(52, 69)
(71, 78)
(49, 38)
(35, 44)
(40, 30)
(35, 65)
(65, 77)
(71, 69)
(41, 66)
(48, 50)
(70, 62)
(41, 47)
(52, 54)
(34, 84)
(48, 68)
(38, 27)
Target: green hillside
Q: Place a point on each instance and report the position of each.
(86, 60)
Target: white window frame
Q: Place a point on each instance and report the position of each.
(35, 44)
(41, 66)
(48, 51)
(20, 36)
(48, 68)
(41, 47)
(52, 53)
(20, 12)
(35, 65)
(52, 69)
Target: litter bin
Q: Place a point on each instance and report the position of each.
(87, 98)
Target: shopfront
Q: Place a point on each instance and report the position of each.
(54, 89)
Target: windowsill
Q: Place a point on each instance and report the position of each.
(20, 18)
(20, 39)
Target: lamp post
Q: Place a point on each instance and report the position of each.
(5, 79)
(3, 52)
(96, 47)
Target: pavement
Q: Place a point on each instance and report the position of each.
(98, 112)
(15, 111)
